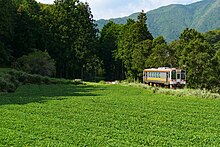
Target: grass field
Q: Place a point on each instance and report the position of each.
(105, 115)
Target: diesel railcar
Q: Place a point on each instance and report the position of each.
(164, 76)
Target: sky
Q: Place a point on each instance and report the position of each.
(105, 9)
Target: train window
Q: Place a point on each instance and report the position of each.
(178, 76)
(173, 74)
(158, 75)
(183, 74)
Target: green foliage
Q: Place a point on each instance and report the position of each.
(216, 62)
(213, 37)
(196, 57)
(132, 33)
(185, 92)
(140, 54)
(37, 62)
(105, 115)
(28, 30)
(10, 80)
(7, 21)
(66, 29)
(73, 44)
(189, 92)
(102, 82)
(4, 56)
(108, 47)
(160, 55)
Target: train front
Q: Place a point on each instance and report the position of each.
(178, 78)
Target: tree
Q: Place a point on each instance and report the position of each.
(108, 46)
(74, 38)
(4, 55)
(216, 63)
(37, 62)
(190, 34)
(141, 53)
(132, 33)
(176, 48)
(213, 37)
(142, 27)
(27, 28)
(160, 55)
(196, 58)
(7, 14)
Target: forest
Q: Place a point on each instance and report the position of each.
(62, 40)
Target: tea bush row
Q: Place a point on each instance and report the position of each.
(10, 81)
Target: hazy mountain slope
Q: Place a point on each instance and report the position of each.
(207, 15)
(169, 21)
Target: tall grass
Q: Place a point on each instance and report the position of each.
(202, 93)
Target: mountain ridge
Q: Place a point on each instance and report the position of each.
(169, 21)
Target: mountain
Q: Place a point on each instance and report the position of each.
(169, 21)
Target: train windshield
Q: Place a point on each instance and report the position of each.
(173, 74)
(183, 74)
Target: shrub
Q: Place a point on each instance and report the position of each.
(37, 62)
(102, 82)
(9, 82)
(6, 85)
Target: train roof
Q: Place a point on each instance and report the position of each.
(160, 69)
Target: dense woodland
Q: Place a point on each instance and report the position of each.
(63, 39)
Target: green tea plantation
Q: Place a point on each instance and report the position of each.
(105, 115)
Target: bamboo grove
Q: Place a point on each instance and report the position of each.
(67, 32)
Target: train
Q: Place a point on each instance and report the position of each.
(165, 77)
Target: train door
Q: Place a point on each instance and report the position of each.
(145, 77)
(167, 76)
(183, 75)
(173, 75)
(178, 77)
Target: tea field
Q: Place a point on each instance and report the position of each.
(105, 115)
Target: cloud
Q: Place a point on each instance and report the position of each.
(118, 8)
(115, 8)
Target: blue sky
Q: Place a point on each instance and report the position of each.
(118, 8)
